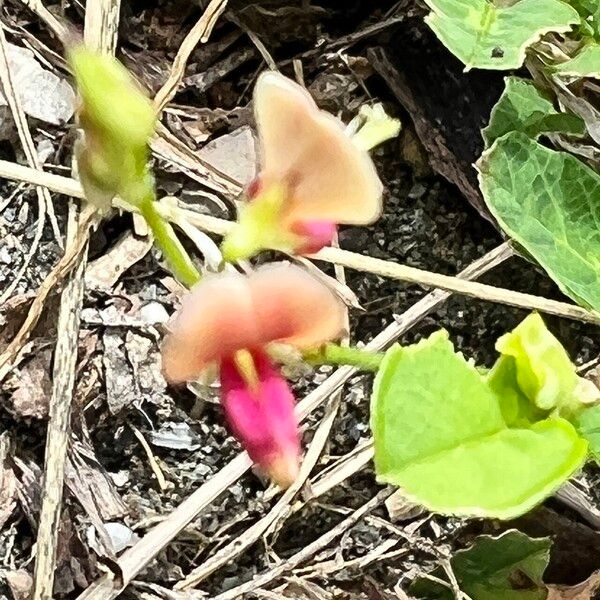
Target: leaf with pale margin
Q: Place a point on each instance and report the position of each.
(549, 202)
(522, 107)
(507, 567)
(588, 426)
(440, 435)
(586, 63)
(484, 36)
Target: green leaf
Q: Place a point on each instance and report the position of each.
(586, 63)
(439, 433)
(507, 567)
(522, 107)
(484, 36)
(544, 372)
(590, 11)
(549, 202)
(588, 426)
(586, 7)
(517, 409)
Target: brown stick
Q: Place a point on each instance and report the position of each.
(101, 24)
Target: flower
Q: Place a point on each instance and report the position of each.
(312, 176)
(229, 320)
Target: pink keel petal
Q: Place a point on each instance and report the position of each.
(316, 234)
(263, 420)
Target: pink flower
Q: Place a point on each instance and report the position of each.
(229, 320)
(312, 176)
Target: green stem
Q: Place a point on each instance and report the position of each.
(175, 254)
(332, 354)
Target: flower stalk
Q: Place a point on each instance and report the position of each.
(315, 175)
(334, 354)
(175, 254)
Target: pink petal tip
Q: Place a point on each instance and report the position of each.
(263, 419)
(315, 234)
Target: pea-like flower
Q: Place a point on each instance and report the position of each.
(230, 320)
(312, 176)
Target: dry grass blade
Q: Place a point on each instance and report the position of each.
(307, 552)
(343, 468)
(199, 33)
(352, 260)
(58, 427)
(101, 24)
(59, 30)
(393, 270)
(473, 289)
(139, 556)
(379, 552)
(55, 183)
(160, 478)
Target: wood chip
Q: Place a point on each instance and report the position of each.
(583, 591)
(32, 387)
(401, 509)
(20, 583)
(104, 272)
(8, 483)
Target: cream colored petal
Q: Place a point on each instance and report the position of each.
(230, 312)
(293, 307)
(215, 319)
(332, 179)
(282, 110)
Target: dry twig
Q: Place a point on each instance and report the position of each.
(351, 260)
(160, 478)
(58, 28)
(199, 33)
(100, 34)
